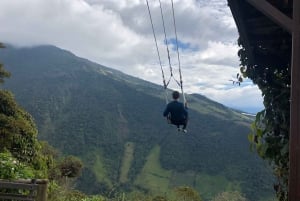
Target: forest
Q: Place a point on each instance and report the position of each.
(98, 134)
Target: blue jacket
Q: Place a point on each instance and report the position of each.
(177, 111)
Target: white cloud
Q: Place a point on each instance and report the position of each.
(117, 33)
(219, 52)
(237, 96)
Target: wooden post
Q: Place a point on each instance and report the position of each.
(294, 177)
(42, 190)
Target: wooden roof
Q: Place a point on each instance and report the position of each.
(261, 35)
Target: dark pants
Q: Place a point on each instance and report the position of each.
(179, 123)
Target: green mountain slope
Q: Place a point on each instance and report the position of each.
(114, 123)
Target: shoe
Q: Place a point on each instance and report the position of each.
(179, 129)
(184, 130)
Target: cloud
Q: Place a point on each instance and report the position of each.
(118, 34)
(93, 32)
(237, 97)
(220, 53)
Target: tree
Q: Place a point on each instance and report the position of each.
(187, 194)
(18, 133)
(270, 131)
(3, 72)
(71, 166)
(11, 168)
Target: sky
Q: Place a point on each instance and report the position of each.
(118, 34)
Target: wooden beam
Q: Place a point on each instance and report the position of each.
(294, 177)
(273, 13)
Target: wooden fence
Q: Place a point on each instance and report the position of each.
(25, 190)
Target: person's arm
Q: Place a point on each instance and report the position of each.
(166, 112)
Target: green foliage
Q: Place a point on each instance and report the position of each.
(62, 193)
(94, 198)
(159, 198)
(51, 157)
(3, 72)
(270, 131)
(153, 175)
(70, 166)
(18, 133)
(229, 196)
(138, 196)
(11, 168)
(187, 194)
(89, 111)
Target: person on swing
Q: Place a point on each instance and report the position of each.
(176, 113)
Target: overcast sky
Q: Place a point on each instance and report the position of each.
(118, 34)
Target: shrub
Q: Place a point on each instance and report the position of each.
(11, 168)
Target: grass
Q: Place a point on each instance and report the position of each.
(209, 186)
(100, 170)
(126, 161)
(183, 178)
(160, 181)
(153, 176)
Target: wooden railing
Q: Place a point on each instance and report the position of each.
(25, 190)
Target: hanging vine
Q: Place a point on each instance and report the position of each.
(270, 130)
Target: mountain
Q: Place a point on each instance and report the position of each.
(114, 123)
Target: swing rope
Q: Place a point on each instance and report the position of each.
(179, 83)
(158, 54)
(179, 66)
(166, 40)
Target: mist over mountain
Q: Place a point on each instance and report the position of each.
(114, 123)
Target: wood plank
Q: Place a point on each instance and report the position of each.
(37, 188)
(10, 185)
(10, 196)
(273, 13)
(32, 188)
(294, 177)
